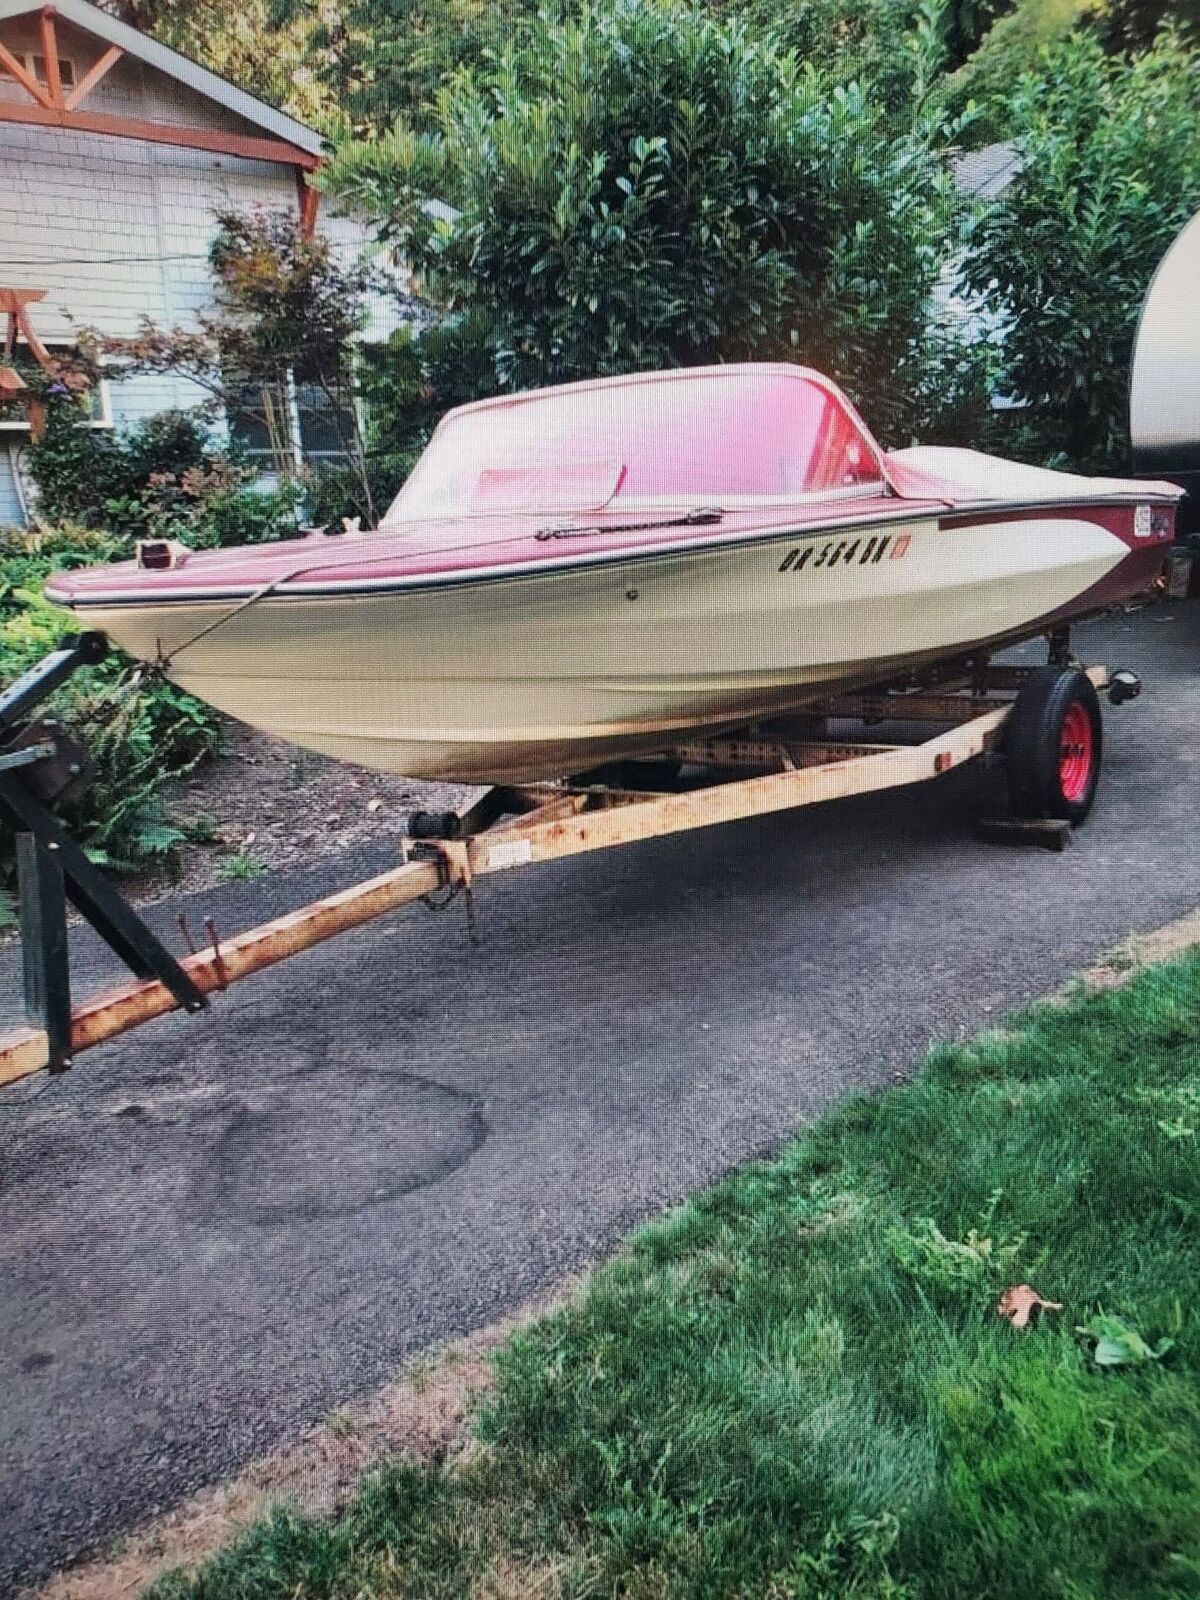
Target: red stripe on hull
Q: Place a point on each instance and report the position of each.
(1136, 577)
(1119, 520)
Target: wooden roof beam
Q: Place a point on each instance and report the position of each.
(98, 70)
(49, 37)
(24, 77)
(214, 140)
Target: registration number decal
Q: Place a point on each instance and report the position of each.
(846, 552)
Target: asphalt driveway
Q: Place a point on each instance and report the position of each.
(221, 1228)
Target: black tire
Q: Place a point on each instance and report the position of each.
(1050, 774)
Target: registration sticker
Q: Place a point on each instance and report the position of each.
(1143, 526)
(512, 853)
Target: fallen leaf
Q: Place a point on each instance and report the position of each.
(374, 805)
(250, 837)
(1119, 1344)
(1020, 1302)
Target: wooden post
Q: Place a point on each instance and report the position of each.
(310, 201)
(49, 37)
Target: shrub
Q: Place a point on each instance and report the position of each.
(1110, 151)
(407, 383)
(852, 41)
(644, 186)
(99, 479)
(140, 735)
(164, 478)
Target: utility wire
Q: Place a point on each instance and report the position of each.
(91, 261)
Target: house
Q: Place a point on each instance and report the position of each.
(115, 152)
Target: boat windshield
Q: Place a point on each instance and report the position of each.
(697, 438)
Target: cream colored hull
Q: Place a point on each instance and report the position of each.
(550, 673)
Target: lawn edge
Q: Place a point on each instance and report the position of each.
(423, 1413)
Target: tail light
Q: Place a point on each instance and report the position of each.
(161, 555)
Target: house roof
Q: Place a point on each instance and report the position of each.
(90, 19)
(988, 171)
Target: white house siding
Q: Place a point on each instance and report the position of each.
(117, 229)
(10, 504)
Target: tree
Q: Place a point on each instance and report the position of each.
(382, 59)
(644, 186)
(286, 314)
(228, 36)
(1110, 172)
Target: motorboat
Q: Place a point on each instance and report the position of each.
(578, 574)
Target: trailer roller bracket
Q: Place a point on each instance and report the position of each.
(53, 869)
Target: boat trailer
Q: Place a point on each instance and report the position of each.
(789, 763)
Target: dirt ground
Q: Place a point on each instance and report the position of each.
(266, 804)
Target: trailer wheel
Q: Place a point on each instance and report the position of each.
(1053, 741)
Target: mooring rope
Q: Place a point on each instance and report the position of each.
(700, 516)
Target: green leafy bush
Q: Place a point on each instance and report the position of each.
(643, 186)
(407, 383)
(164, 478)
(99, 479)
(140, 735)
(876, 42)
(1110, 151)
(1010, 48)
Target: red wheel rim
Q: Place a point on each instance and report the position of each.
(1076, 753)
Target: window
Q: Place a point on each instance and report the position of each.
(259, 426)
(36, 65)
(326, 425)
(95, 403)
(66, 70)
(281, 425)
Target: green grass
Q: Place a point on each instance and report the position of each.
(241, 866)
(798, 1385)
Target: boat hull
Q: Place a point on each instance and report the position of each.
(515, 678)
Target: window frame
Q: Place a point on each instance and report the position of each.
(103, 421)
(28, 59)
(265, 458)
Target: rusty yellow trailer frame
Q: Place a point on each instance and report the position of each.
(560, 820)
